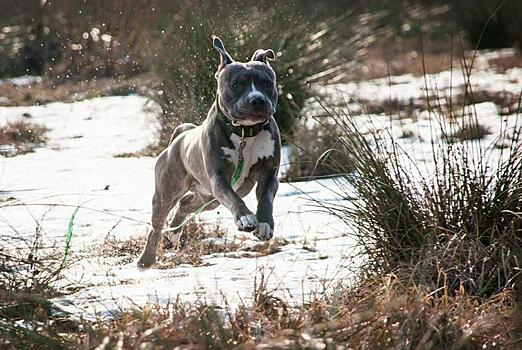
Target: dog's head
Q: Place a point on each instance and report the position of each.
(247, 92)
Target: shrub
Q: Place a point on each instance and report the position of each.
(185, 62)
(461, 223)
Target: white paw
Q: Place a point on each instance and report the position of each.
(247, 223)
(264, 232)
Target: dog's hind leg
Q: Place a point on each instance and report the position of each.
(161, 207)
(171, 185)
(188, 205)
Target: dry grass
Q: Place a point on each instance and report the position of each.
(152, 150)
(70, 91)
(197, 241)
(273, 246)
(29, 275)
(22, 137)
(382, 313)
(461, 219)
(388, 312)
(404, 57)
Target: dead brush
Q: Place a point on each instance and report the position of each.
(23, 136)
(385, 312)
(161, 327)
(388, 313)
(198, 240)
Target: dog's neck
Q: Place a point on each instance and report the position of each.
(240, 130)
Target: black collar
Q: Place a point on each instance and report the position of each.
(240, 130)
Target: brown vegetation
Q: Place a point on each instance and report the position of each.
(378, 313)
(70, 91)
(22, 136)
(196, 242)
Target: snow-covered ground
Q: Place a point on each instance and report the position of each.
(77, 167)
(22, 81)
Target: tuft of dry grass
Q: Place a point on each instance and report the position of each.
(152, 150)
(273, 246)
(22, 136)
(197, 241)
(462, 219)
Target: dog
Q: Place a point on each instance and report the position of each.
(239, 140)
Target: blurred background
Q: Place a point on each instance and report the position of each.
(76, 49)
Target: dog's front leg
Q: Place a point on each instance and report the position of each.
(244, 219)
(265, 192)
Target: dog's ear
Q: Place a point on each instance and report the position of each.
(262, 55)
(225, 57)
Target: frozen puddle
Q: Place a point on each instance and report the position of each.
(77, 167)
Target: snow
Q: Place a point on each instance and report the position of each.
(77, 165)
(409, 87)
(22, 80)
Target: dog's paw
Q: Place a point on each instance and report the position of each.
(264, 232)
(145, 262)
(247, 223)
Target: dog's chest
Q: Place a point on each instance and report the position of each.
(257, 147)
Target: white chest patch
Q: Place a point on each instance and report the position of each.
(257, 147)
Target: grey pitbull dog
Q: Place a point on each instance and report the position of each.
(196, 168)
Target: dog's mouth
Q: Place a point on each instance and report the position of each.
(249, 118)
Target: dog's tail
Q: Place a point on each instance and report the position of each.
(181, 129)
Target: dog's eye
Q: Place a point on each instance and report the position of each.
(235, 86)
(269, 84)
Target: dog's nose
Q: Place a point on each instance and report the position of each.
(258, 103)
